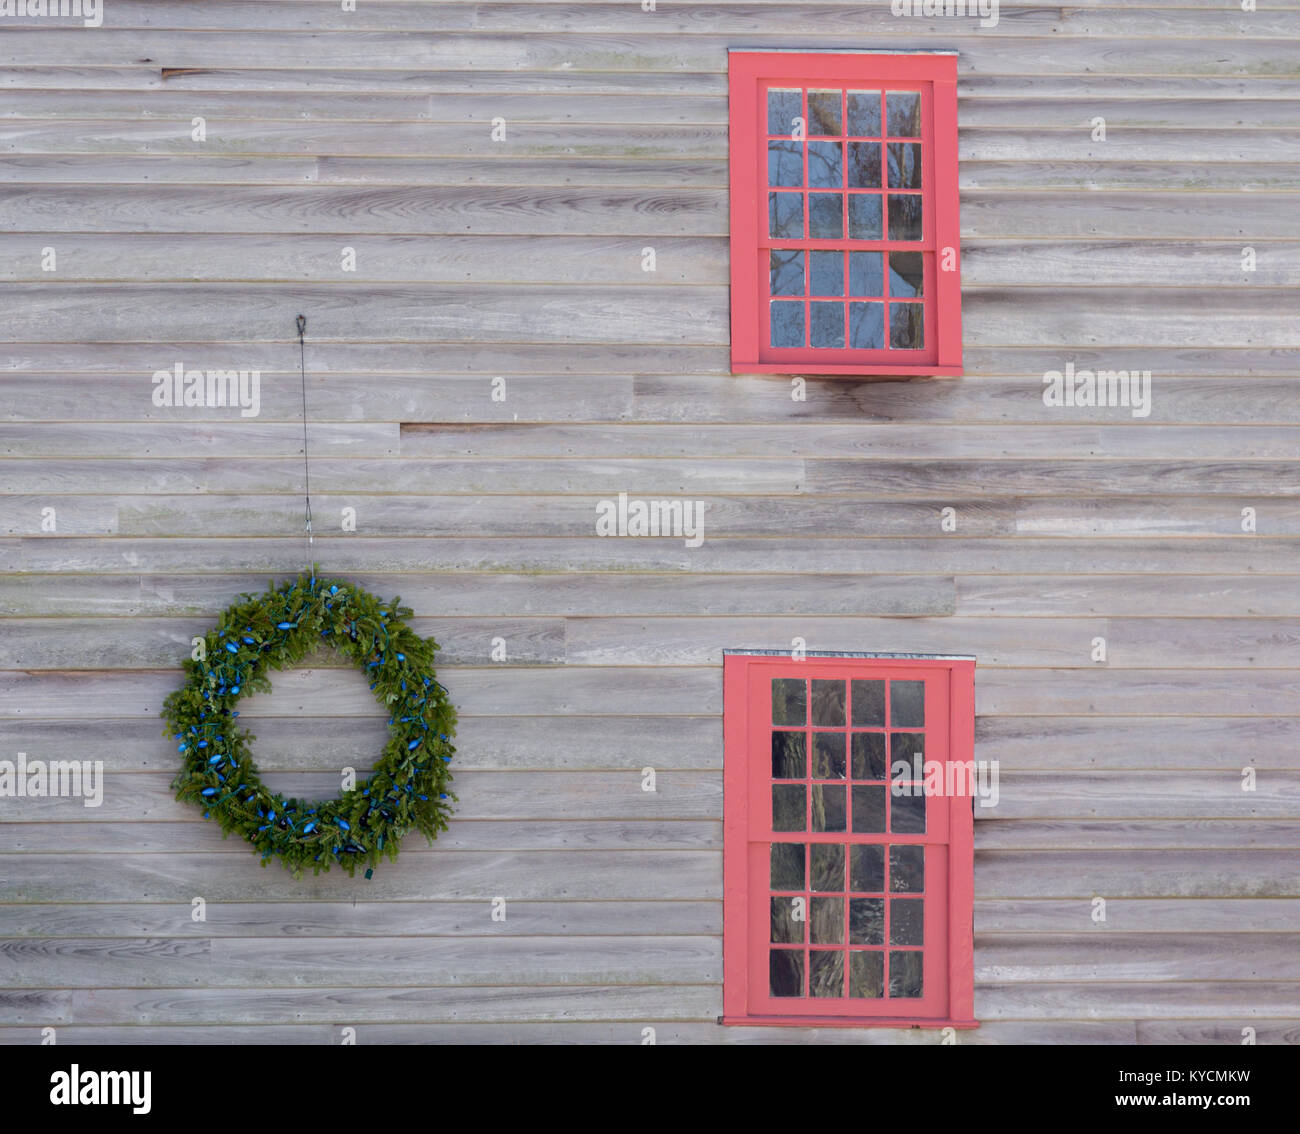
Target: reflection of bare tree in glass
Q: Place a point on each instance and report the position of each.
(826, 973)
(785, 972)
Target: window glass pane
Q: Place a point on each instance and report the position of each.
(869, 756)
(786, 928)
(784, 163)
(904, 165)
(903, 109)
(826, 275)
(826, 976)
(866, 921)
(828, 867)
(907, 869)
(786, 266)
(906, 326)
(827, 807)
(866, 974)
(864, 216)
(869, 809)
(785, 972)
(783, 107)
(905, 974)
(789, 697)
(827, 324)
(785, 215)
(864, 165)
(867, 277)
(907, 814)
(868, 696)
(788, 866)
(828, 700)
(826, 922)
(864, 114)
(907, 704)
(906, 273)
(789, 807)
(867, 868)
(824, 113)
(787, 325)
(825, 216)
(828, 756)
(904, 216)
(826, 165)
(788, 760)
(867, 326)
(905, 925)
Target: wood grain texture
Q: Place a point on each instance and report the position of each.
(520, 260)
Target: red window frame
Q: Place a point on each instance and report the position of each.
(947, 842)
(934, 75)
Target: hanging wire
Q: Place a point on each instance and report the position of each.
(306, 465)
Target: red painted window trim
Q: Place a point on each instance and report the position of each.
(935, 75)
(747, 836)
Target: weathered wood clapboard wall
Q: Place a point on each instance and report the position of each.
(522, 259)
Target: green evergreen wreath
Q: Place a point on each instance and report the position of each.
(276, 630)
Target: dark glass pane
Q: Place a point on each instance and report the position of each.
(783, 107)
(866, 277)
(869, 756)
(826, 923)
(869, 809)
(828, 756)
(907, 704)
(787, 866)
(825, 216)
(828, 867)
(868, 696)
(788, 756)
(786, 930)
(866, 921)
(826, 976)
(826, 277)
(827, 807)
(904, 216)
(864, 216)
(904, 114)
(867, 868)
(864, 113)
(785, 972)
(905, 974)
(906, 748)
(904, 162)
(905, 921)
(906, 870)
(786, 268)
(907, 814)
(906, 273)
(864, 165)
(785, 215)
(828, 703)
(867, 326)
(906, 326)
(824, 112)
(789, 700)
(826, 165)
(785, 163)
(789, 810)
(867, 974)
(787, 325)
(827, 325)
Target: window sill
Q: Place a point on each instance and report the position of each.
(842, 1022)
